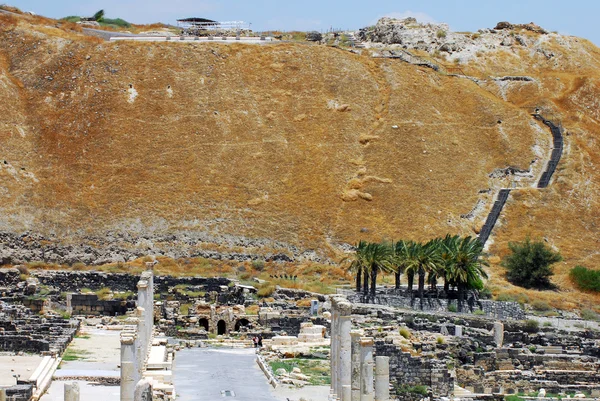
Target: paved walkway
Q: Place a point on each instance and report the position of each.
(202, 373)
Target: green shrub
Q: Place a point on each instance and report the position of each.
(452, 308)
(407, 389)
(266, 291)
(486, 293)
(478, 312)
(258, 264)
(529, 264)
(540, 306)
(506, 298)
(440, 340)
(589, 314)
(103, 293)
(585, 279)
(404, 332)
(72, 18)
(117, 22)
(547, 324)
(531, 326)
(441, 34)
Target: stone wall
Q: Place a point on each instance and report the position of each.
(76, 280)
(495, 309)
(89, 304)
(409, 371)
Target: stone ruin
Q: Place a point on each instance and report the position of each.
(454, 355)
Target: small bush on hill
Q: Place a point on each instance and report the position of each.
(118, 22)
(589, 314)
(529, 265)
(258, 265)
(585, 279)
(532, 326)
(540, 306)
(404, 332)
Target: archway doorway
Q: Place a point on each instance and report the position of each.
(241, 323)
(221, 327)
(203, 322)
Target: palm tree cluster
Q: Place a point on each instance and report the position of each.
(456, 260)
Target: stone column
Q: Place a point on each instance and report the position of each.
(2, 394)
(143, 391)
(143, 340)
(129, 369)
(499, 334)
(355, 336)
(366, 369)
(345, 348)
(382, 378)
(458, 331)
(333, 347)
(71, 392)
(346, 392)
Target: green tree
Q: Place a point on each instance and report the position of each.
(465, 270)
(99, 16)
(356, 262)
(400, 256)
(530, 264)
(378, 257)
(422, 258)
(368, 260)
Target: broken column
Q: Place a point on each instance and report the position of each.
(499, 334)
(458, 330)
(366, 369)
(129, 365)
(382, 378)
(355, 336)
(71, 392)
(143, 391)
(341, 350)
(2, 394)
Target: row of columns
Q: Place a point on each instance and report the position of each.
(137, 339)
(355, 374)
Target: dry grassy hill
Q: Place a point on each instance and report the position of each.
(113, 150)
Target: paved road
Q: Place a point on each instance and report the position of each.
(202, 373)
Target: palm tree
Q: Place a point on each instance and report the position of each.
(447, 249)
(356, 262)
(377, 257)
(410, 268)
(400, 257)
(421, 259)
(466, 270)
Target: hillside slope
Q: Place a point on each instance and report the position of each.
(286, 151)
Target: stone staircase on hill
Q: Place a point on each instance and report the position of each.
(354, 42)
(492, 218)
(544, 181)
(556, 151)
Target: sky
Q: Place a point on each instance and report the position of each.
(570, 17)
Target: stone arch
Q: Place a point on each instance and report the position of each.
(221, 327)
(203, 322)
(243, 322)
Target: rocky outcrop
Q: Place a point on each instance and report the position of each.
(410, 34)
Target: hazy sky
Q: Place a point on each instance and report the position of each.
(573, 17)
